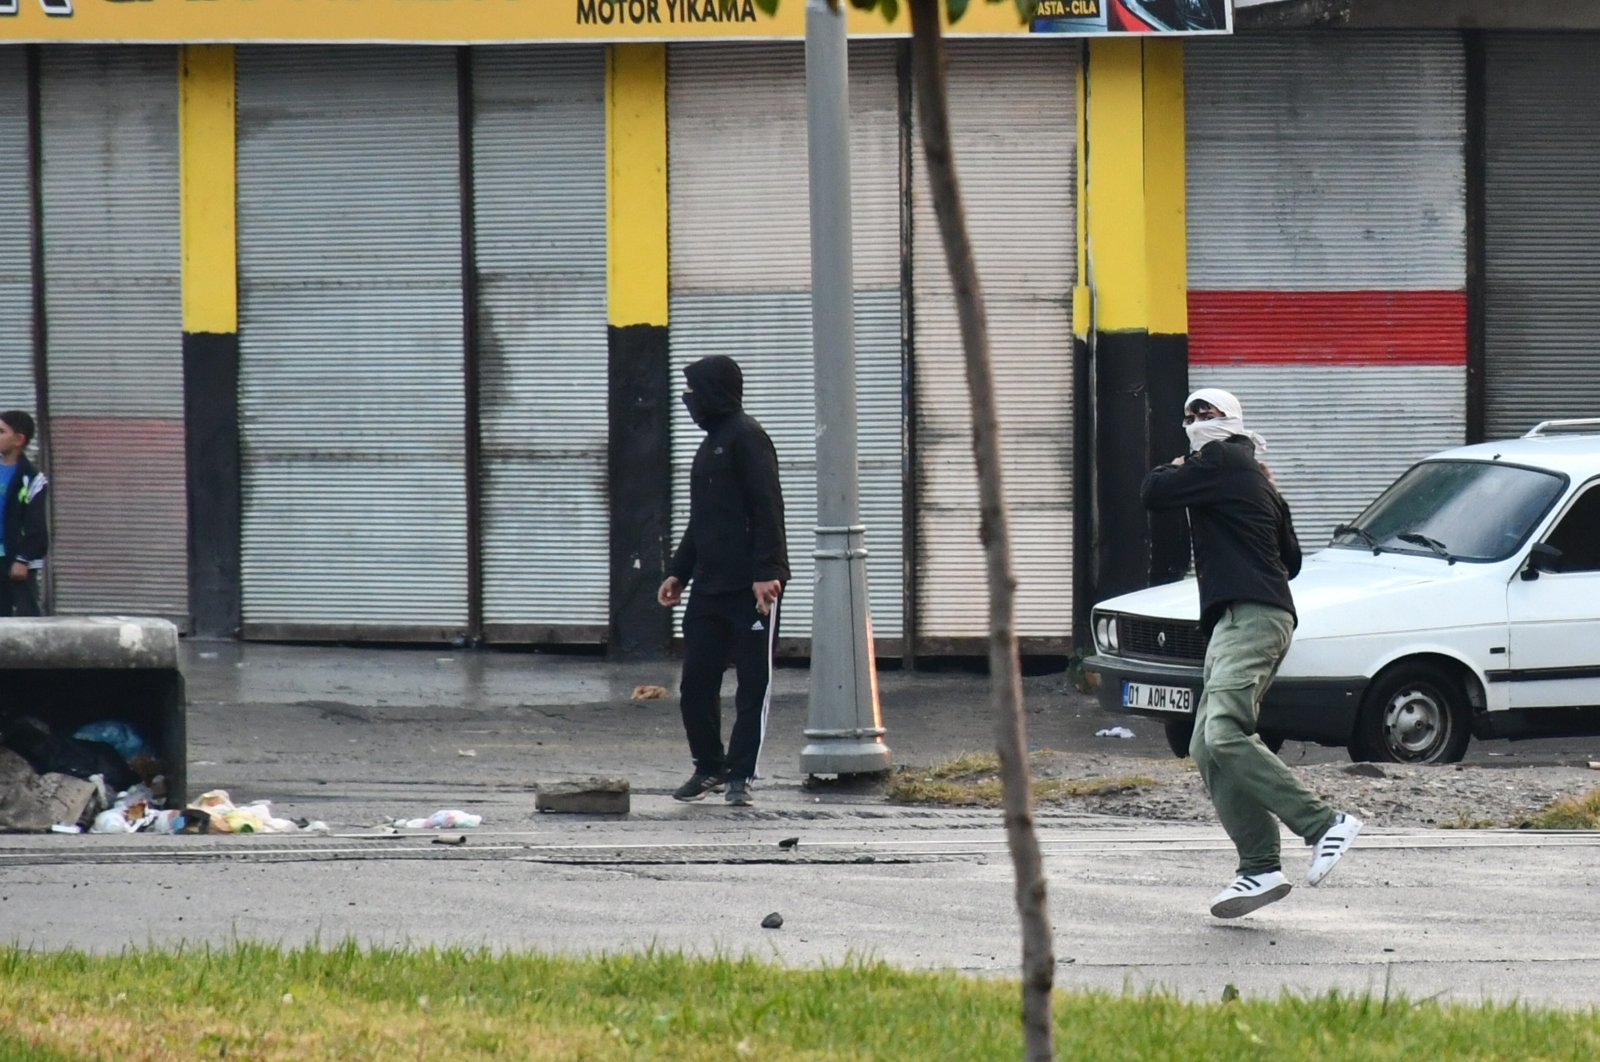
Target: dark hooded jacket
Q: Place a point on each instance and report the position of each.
(1245, 548)
(27, 536)
(735, 535)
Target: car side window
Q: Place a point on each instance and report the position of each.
(1577, 536)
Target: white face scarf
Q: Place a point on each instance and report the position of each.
(1202, 432)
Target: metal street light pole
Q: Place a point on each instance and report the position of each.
(844, 728)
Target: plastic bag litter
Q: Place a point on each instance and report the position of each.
(442, 820)
(227, 817)
(1114, 731)
(139, 794)
(170, 821)
(134, 810)
(124, 819)
(128, 742)
(212, 800)
(255, 817)
(138, 810)
(49, 752)
(111, 820)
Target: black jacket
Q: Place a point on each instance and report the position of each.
(735, 535)
(1244, 543)
(27, 537)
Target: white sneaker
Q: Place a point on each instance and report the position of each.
(1333, 844)
(1250, 892)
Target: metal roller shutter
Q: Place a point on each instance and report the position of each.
(115, 342)
(1542, 231)
(539, 185)
(1327, 253)
(16, 252)
(351, 375)
(1012, 117)
(741, 281)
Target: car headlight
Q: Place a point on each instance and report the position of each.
(1105, 633)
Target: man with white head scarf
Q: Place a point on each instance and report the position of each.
(1245, 553)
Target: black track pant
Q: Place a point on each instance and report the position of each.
(719, 628)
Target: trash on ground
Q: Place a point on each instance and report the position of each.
(50, 752)
(128, 742)
(34, 802)
(446, 819)
(104, 779)
(1114, 731)
(649, 693)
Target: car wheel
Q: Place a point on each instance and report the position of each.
(1413, 713)
(1179, 731)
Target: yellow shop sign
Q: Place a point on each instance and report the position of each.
(487, 21)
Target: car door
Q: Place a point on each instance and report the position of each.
(1554, 650)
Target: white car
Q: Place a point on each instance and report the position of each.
(1465, 601)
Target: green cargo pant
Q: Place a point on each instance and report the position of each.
(1248, 783)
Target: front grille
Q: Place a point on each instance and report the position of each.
(1153, 639)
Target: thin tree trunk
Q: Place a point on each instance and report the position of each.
(1005, 670)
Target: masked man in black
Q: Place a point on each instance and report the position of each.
(734, 551)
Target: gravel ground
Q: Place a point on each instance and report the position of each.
(1461, 796)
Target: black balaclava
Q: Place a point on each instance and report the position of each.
(716, 390)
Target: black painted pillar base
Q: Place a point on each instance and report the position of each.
(1140, 382)
(640, 490)
(211, 445)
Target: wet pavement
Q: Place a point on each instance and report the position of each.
(351, 735)
(358, 737)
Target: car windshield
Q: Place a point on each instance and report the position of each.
(1470, 510)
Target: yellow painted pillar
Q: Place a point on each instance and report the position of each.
(208, 240)
(642, 391)
(207, 188)
(1131, 306)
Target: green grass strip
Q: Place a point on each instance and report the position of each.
(253, 1001)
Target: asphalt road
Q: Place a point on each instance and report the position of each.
(360, 737)
(1465, 916)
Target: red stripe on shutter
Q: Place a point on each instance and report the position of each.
(1334, 327)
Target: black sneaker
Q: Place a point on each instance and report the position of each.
(699, 784)
(738, 792)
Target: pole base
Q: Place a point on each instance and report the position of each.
(845, 757)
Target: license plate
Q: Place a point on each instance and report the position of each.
(1157, 698)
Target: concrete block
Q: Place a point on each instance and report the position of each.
(585, 796)
(71, 670)
(88, 642)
